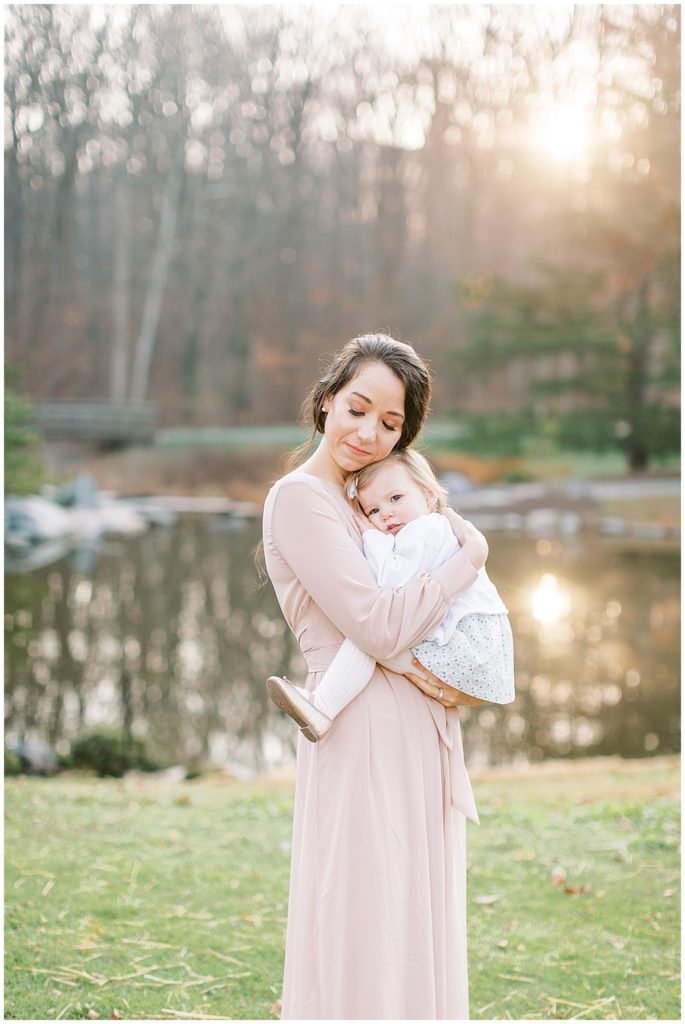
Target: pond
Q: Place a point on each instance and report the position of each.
(171, 636)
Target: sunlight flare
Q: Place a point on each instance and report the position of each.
(563, 131)
(549, 601)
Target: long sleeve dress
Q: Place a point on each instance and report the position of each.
(377, 906)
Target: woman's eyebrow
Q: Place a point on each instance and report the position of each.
(365, 399)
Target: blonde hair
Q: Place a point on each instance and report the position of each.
(417, 466)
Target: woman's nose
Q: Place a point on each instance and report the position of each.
(366, 428)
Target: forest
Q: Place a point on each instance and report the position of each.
(201, 202)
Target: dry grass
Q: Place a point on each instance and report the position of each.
(664, 509)
(242, 475)
(159, 900)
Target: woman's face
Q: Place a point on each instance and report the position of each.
(364, 419)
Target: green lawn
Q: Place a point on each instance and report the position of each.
(610, 952)
(168, 901)
(586, 464)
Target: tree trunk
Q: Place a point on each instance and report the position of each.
(120, 297)
(155, 293)
(638, 453)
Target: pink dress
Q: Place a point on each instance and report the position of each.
(377, 907)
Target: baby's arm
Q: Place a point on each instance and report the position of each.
(395, 559)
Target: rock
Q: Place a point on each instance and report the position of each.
(34, 556)
(570, 523)
(34, 518)
(112, 517)
(82, 490)
(553, 520)
(612, 526)
(512, 521)
(176, 773)
(456, 483)
(36, 756)
(649, 531)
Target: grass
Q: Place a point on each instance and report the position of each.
(168, 901)
(608, 951)
(546, 467)
(587, 464)
(156, 901)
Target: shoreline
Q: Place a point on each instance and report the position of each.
(551, 771)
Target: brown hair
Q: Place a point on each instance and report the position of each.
(399, 357)
(418, 467)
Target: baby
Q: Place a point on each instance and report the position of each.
(404, 532)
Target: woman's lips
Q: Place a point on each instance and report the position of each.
(356, 451)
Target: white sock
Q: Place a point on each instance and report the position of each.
(348, 674)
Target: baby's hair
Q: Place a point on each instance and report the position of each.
(416, 465)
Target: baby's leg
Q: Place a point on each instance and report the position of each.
(345, 678)
(478, 658)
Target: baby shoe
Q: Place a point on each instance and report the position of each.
(297, 703)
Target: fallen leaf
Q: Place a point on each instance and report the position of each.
(486, 899)
(573, 890)
(558, 875)
(503, 943)
(668, 893)
(93, 1014)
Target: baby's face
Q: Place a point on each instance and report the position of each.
(392, 499)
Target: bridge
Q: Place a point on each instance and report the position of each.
(109, 423)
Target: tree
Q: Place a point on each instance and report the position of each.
(596, 327)
(24, 473)
(202, 201)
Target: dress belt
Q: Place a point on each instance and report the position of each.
(449, 730)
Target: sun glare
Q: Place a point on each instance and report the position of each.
(549, 602)
(563, 131)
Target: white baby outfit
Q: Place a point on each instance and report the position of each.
(470, 649)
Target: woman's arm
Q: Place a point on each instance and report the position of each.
(308, 532)
(471, 540)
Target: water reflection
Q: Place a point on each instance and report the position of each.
(170, 635)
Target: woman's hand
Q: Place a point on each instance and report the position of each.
(433, 687)
(471, 540)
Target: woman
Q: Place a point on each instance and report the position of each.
(377, 908)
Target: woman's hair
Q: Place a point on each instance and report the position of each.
(416, 465)
(399, 357)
